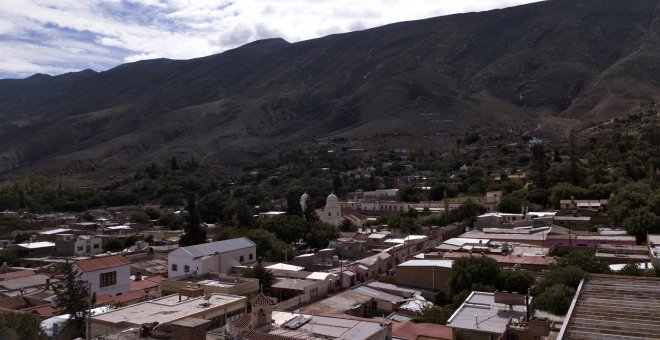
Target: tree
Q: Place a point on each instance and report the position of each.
(641, 222)
(569, 276)
(434, 314)
(515, 281)
(17, 325)
(193, 233)
(347, 225)
(556, 299)
(320, 234)
(174, 165)
(410, 194)
(265, 277)
(631, 269)
(510, 204)
(584, 259)
(140, 217)
(540, 164)
(114, 244)
(472, 270)
(289, 228)
(72, 294)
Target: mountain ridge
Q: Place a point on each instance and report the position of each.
(573, 61)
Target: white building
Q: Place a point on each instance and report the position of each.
(108, 275)
(331, 213)
(72, 245)
(211, 257)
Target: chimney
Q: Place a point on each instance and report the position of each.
(47, 283)
(138, 276)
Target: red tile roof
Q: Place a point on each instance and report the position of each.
(262, 300)
(244, 322)
(145, 284)
(100, 263)
(16, 274)
(411, 331)
(21, 302)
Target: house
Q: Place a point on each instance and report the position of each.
(217, 256)
(108, 275)
(216, 308)
(34, 249)
(83, 245)
(481, 317)
(424, 274)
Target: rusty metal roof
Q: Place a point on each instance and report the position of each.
(100, 263)
(614, 306)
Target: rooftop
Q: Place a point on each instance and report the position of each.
(165, 309)
(613, 306)
(36, 245)
(293, 284)
(480, 312)
(100, 263)
(428, 263)
(204, 249)
(328, 327)
(413, 331)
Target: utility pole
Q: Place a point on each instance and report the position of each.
(88, 333)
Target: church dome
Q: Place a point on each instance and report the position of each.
(331, 201)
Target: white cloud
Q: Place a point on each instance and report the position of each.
(104, 33)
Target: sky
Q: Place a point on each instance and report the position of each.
(59, 36)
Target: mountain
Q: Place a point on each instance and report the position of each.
(546, 66)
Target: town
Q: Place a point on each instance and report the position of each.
(546, 274)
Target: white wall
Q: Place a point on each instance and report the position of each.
(216, 263)
(123, 285)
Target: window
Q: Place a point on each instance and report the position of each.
(108, 279)
(96, 246)
(329, 214)
(80, 248)
(251, 256)
(186, 269)
(241, 259)
(174, 268)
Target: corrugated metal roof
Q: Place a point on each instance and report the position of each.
(614, 307)
(100, 263)
(204, 249)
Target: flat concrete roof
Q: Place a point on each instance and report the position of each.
(165, 309)
(479, 312)
(328, 327)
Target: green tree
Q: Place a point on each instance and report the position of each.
(641, 222)
(510, 204)
(265, 277)
(16, 325)
(140, 217)
(114, 244)
(515, 281)
(434, 314)
(472, 270)
(584, 259)
(556, 299)
(631, 269)
(153, 213)
(347, 225)
(289, 228)
(320, 234)
(569, 276)
(410, 194)
(193, 232)
(72, 294)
